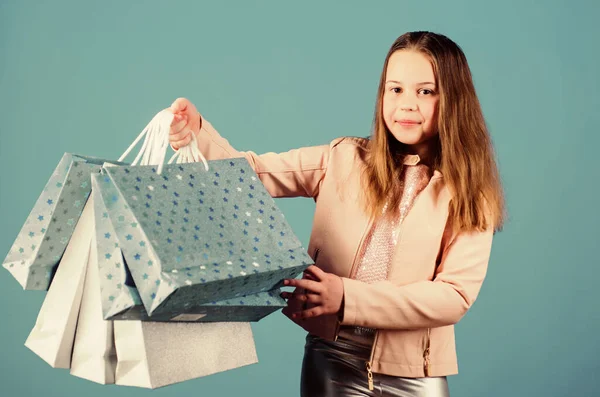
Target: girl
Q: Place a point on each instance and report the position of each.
(402, 231)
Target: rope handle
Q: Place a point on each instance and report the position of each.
(156, 143)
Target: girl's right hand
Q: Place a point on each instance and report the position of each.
(185, 121)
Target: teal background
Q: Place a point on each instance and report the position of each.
(86, 77)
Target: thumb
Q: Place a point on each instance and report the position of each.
(180, 105)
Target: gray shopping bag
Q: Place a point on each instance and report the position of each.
(36, 252)
(153, 354)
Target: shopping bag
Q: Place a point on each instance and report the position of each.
(153, 355)
(121, 300)
(40, 244)
(248, 308)
(94, 355)
(192, 236)
(52, 336)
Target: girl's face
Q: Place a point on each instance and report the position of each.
(410, 100)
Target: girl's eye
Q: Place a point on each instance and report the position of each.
(396, 90)
(426, 91)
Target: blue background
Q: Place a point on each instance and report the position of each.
(86, 77)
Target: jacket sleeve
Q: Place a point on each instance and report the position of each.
(295, 173)
(424, 304)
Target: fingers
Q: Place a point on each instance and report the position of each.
(312, 298)
(308, 276)
(179, 135)
(294, 305)
(313, 286)
(289, 314)
(178, 122)
(186, 108)
(299, 316)
(178, 144)
(180, 105)
(315, 272)
(314, 312)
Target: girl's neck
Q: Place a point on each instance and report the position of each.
(426, 151)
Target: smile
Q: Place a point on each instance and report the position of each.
(408, 123)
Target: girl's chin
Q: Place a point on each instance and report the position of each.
(408, 138)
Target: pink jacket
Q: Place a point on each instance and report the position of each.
(434, 278)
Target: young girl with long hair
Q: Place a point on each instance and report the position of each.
(403, 225)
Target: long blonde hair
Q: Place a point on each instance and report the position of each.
(463, 150)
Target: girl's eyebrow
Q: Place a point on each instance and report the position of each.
(398, 82)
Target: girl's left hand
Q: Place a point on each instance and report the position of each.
(324, 290)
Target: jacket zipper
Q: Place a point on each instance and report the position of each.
(427, 349)
(353, 271)
(368, 365)
(426, 353)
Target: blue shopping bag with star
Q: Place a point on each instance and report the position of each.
(190, 236)
(121, 300)
(39, 246)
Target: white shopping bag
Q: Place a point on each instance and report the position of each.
(52, 336)
(94, 356)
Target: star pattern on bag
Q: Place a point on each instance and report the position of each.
(111, 267)
(54, 214)
(200, 228)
